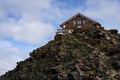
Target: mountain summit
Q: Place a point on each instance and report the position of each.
(81, 50)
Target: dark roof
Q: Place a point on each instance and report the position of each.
(79, 14)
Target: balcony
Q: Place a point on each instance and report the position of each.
(64, 31)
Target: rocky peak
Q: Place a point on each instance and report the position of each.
(82, 55)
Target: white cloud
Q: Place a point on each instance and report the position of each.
(30, 32)
(8, 48)
(106, 11)
(9, 55)
(103, 9)
(7, 64)
(29, 21)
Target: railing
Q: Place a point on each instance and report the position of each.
(60, 31)
(64, 31)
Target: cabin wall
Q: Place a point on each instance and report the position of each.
(71, 24)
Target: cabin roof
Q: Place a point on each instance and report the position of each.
(78, 14)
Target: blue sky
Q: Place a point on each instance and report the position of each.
(28, 24)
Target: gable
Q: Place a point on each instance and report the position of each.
(79, 18)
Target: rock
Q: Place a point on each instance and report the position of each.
(116, 64)
(113, 31)
(85, 54)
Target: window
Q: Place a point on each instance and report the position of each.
(64, 26)
(79, 22)
(83, 21)
(74, 22)
(78, 26)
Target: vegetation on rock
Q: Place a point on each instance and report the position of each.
(83, 55)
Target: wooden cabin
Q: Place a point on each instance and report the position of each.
(77, 21)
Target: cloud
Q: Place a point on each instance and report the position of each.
(30, 32)
(9, 55)
(107, 11)
(7, 64)
(29, 21)
(8, 48)
(103, 9)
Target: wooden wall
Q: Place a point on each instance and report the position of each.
(71, 25)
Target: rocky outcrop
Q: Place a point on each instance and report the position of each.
(82, 55)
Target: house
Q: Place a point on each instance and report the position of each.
(77, 21)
